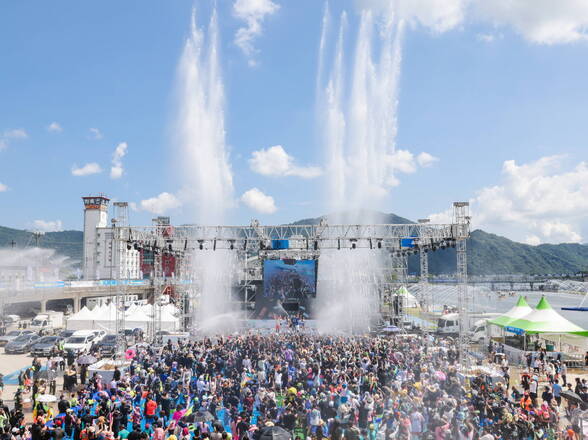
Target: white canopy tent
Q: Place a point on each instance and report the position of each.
(104, 317)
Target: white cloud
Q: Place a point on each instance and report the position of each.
(252, 12)
(402, 161)
(86, 170)
(426, 160)
(533, 240)
(486, 38)
(95, 134)
(438, 15)
(274, 161)
(161, 203)
(16, 133)
(12, 134)
(48, 226)
(258, 201)
(54, 127)
(117, 170)
(535, 202)
(3, 187)
(405, 162)
(538, 21)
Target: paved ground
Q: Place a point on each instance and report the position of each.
(9, 363)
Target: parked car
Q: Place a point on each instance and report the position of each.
(107, 346)
(64, 334)
(12, 319)
(12, 335)
(22, 344)
(99, 335)
(45, 345)
(81, 341)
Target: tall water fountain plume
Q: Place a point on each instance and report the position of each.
(200, 137)
(357, 112)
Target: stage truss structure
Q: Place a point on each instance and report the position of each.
(254, 243)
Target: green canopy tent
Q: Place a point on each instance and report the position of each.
(544, 319)
(520, 309)
(408, 298)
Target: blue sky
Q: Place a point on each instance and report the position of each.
(479, 86)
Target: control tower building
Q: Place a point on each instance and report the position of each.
(95, 216)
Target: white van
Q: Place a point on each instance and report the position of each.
(80, 342)
(448, 324)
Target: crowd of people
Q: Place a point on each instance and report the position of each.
(256, 386)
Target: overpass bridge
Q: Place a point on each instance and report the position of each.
(45, 293)
(515, 282)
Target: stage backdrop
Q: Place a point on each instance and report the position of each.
(288, 286)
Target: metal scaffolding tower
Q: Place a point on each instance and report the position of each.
(424, 290)
(121, 213)
(254, 243)
(461, 218)
(163, 230)
(119, 297)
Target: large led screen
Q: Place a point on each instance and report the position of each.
(288, 286)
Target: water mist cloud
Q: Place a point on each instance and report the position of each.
(199, 129)
(3, 187)
(48, 226)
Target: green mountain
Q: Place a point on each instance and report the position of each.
(490, 254)
(375, 216)
(68, 243)
(487, 253)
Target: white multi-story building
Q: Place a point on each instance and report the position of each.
(104, 258)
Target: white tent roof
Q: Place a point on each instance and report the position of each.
(546, 320)
(520, 309)
(137, 316)
(83, 315)
(171, 309)
(168, 317)
(147, 309)
(99, 309)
